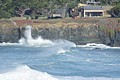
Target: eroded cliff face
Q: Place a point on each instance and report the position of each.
(80, 33)
(8, 32)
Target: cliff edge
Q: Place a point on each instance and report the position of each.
(80, 31)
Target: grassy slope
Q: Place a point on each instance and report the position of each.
(63, 22)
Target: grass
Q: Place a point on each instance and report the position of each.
(67, 22)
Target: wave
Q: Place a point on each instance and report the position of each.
(26, 73)
(97, 46)
(86, 78)
(9, 44)
(55, 46)
(28, 40)
(38, 42)
(61, 44)
(61, 51)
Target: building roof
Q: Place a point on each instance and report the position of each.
(92, 2)
(80, 5)
(92, 7)
(58, 11)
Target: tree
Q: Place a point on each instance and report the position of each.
(53, 5)
(6, 9)
(20, 6)
(115, 11)
(9, 8)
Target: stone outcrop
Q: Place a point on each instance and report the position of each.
(103, 31)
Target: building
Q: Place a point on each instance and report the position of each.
(57, 14)
(60, 13)
(92, 11)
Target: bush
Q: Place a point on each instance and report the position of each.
(4, 14)
(115, 11)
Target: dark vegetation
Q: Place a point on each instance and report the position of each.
(115, 11)
(45, 8)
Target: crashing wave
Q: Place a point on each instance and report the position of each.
(28, 40)
(26, 73)
(9, 44)
(97, 46)
(36, 42)
(59, 46)
(61, 51)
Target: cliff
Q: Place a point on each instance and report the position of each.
(80, 31)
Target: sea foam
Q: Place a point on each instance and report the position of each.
(28, 40)
(97, 46)
(39, 41)
(59, 46)
(26, 73)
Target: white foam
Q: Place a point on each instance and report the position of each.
(25, 73)
(8, 44)
(64, 43)
(27, 33)
(56, 46)
(28, 40)
(97, 46)
(61, 51)
(61, 46)
(36, 42)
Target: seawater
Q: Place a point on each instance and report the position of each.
(41, 59)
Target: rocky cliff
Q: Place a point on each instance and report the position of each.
(105, 31)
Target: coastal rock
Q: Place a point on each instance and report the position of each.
(79, 33)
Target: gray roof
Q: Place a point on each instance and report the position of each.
(58, 11)
(92, 7)
(93, 2)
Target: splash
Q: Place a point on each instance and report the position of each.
(26, 73)
(27, 33)
(61, 51)
(28, 40)
(97, 46)
(56, 46)
(61, 45)
(40, 42)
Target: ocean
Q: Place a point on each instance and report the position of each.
(42, 59)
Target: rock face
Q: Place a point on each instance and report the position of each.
(79, 33)
(9, 35)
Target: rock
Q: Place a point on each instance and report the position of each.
(79, 33)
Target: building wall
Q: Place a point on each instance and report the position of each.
(106, 9)
(93, 13)
(57, 15)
